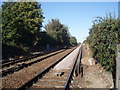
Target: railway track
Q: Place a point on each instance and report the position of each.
(20, 64)
(50, 78)
(7, 63)
(17, 79)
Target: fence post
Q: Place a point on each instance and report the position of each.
(118, 67)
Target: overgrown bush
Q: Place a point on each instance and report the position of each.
(103, 38)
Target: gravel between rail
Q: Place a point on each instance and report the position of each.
(21, 65)
(17, 79)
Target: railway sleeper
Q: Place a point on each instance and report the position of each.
(41, 75)
(13, 69)
(47, 86)
(17, 68)
(28, 58)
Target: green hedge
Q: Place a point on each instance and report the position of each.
(103, 38)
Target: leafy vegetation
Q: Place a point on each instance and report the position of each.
(21, 23)
(59, 32)
(21, 29)
(103, 38)
(73, 40)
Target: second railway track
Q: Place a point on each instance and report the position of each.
(20, 64)
(7, 63)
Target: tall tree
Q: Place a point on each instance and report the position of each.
(21, 23)
(73, 40)
(59, 32)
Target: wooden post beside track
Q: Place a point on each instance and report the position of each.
(118, 68)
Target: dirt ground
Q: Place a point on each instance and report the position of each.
(94, 76)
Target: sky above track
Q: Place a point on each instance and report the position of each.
(65, 0)
(78, 16)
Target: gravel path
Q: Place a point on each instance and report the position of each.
(17, 79)
(93, 74)
(67, 61)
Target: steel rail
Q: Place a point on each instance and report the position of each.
(79, 62)
(66, 86)
(26, 59)
(32, 56)
(11, 62)
(30, 82)
(13, 69)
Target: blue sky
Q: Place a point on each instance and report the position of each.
(78, 16)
